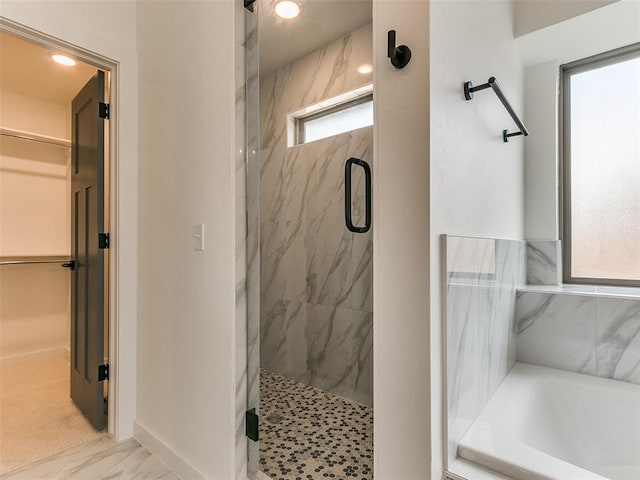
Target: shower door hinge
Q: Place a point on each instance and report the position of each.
(103, 372)
(252, 425)
(104, 110)
(248, 4)
(103, 240)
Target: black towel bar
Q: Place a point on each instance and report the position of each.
(493, 84)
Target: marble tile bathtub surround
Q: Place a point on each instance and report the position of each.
(580, 333)
(544, 262)
(492, 321)
(483, 275)
(618, 340)
(557, 331)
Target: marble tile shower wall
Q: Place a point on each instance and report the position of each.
(482, 277)
(316, 276)
(594, 335)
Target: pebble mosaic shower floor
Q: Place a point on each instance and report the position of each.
(307, 433)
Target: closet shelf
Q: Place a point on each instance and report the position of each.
(35, 137)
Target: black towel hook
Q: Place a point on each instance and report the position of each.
(399, 55)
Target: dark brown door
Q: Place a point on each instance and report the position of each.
(87, 222)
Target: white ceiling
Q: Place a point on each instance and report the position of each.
(27, 69)
(320, 21)
(606, 28)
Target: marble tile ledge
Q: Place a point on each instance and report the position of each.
(584, 290)
(466, 470)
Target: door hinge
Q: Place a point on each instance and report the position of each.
(104, 110)
(252, 426)
(103, 372)
(103, 240)
(248, 4)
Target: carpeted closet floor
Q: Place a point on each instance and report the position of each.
(37, 417)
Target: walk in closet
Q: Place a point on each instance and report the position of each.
(37, 416)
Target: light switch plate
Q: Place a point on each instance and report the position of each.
(198, 237)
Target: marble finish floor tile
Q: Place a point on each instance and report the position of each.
(102, 459)
(307, 433)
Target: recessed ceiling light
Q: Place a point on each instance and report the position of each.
(63, 60)
(365, 68)
(287, 9)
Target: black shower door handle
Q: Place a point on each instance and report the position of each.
(347, 195)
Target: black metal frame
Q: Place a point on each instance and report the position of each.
(492, 83)
(566, 71)
(347, 195)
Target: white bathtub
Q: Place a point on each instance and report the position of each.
(550, 424)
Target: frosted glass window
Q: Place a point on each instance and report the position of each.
(604, 170)
(343, 118)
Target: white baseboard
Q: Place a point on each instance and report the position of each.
(165, 454)
(60, 352)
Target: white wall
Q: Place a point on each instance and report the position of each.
(34, 220)
(541, 151)
(85, 24)
(597, 31)
(477, 184)
(34, 312)
(34, 200)
(34, 115)
(530, 15)
(401, 244)
(185, 337)
(186, 377)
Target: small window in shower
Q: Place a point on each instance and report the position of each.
(332, 117)
(601, 168)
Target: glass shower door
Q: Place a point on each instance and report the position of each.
(310, 275)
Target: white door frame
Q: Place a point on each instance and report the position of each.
(110, 66)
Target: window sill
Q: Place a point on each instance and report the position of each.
(585, 290)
